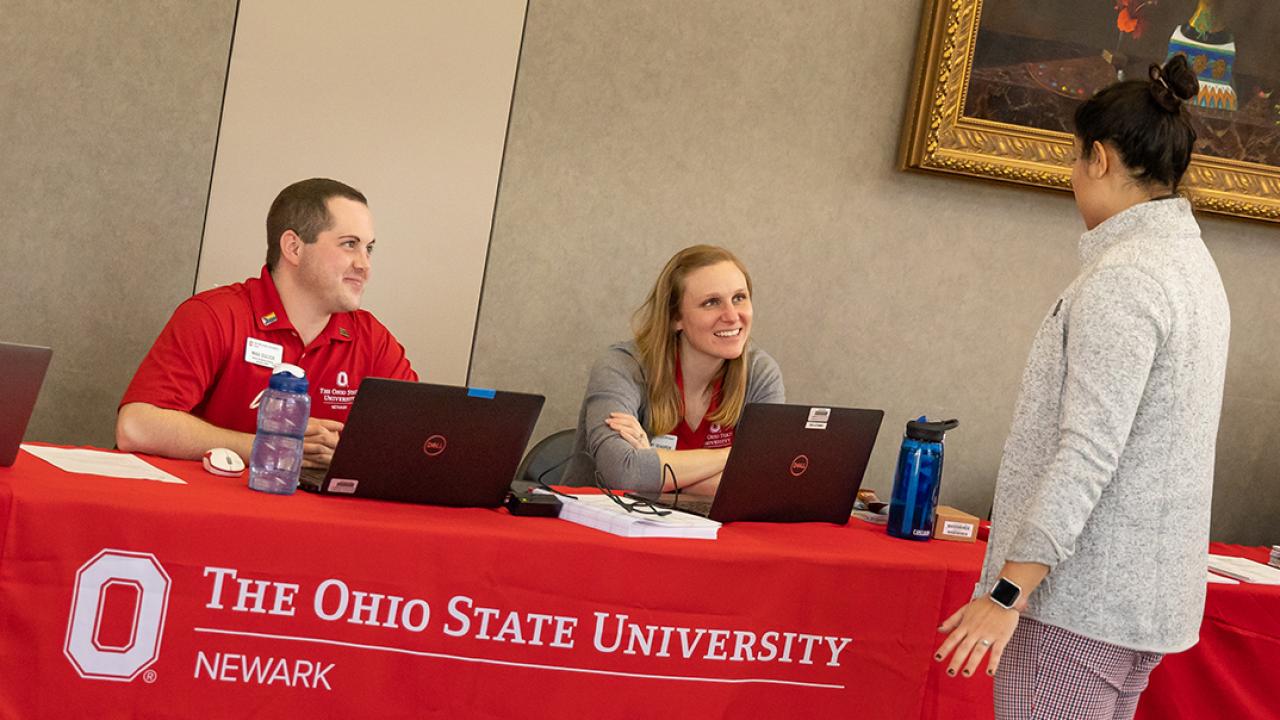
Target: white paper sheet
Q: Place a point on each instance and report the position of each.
(97, 462)
(601, 513)
(1221, 579)
(1244, 569)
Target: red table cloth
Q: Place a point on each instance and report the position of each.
(1228, 674)
(131, 598)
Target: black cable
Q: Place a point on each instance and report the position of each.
(543, 484)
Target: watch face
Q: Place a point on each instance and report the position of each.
(1005, 593)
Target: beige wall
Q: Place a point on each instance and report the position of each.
(773, 128)
(407, 102)
(108, 113)
(636, 130)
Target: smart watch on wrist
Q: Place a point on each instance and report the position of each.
(1005, 593)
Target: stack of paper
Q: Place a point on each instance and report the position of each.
(602, 513)
(1275, 556)
(1244, 569)
(100, 462)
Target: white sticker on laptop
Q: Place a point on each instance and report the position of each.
(343, 485)
(666, 442)
(811, 425)
(821, 415)
(261, 352)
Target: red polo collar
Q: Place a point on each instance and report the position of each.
(269, 314)
(715, 395)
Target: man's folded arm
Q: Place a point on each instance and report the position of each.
(143, 427)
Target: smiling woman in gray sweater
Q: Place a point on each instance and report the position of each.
(660, 413)
(1096, 561)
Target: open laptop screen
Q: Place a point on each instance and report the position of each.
(24, 369)
(433, 444)
(796, 463)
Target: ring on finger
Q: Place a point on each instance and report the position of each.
(985, 641)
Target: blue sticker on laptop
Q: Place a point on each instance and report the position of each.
(485, 393)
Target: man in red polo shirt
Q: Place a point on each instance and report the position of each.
(198, 387)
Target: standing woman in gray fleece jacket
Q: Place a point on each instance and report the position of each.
(1096, 561)
(660, 411)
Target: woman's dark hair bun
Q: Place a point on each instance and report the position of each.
(1145, 121)
(1174, 83)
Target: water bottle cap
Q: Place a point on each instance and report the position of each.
(288, 378)
(929, 431)
(293, 370)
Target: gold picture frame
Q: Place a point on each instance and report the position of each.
(939, 137)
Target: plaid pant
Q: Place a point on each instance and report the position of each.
(1048, 673)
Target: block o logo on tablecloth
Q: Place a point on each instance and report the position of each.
(104, 643)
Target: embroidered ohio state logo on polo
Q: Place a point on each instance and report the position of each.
(117, 615)
(339, 397)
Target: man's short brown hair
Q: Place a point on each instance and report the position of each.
(302, 207)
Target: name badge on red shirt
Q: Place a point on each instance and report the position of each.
(665, 442)
(261, 352)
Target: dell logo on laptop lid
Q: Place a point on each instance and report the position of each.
(434, 445)
(799, 465)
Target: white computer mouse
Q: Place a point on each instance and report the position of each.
(224, 462)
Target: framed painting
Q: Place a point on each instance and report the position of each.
(996, 83)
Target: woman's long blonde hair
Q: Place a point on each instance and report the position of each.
(658, 340)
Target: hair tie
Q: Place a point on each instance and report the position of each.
(1161, 91)
(1157, 75)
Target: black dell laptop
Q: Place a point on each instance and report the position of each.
(430, 444)
(791, 463)
(24, 369)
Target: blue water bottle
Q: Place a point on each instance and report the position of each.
(282, 423)
(915, 485)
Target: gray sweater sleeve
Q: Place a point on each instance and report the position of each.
(617, 385)
(1117, 323)
(764, 380)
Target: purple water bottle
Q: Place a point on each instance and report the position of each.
(282, 422)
